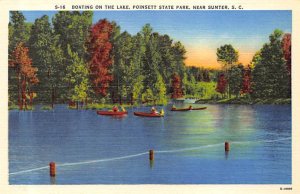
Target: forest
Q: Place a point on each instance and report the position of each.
(72, 60)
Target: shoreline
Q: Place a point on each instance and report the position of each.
(236, 101)
(247, 101)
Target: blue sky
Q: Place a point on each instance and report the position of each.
(201, 32)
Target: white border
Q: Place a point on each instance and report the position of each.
(6, 5)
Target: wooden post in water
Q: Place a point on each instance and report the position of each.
(227, 146)
(52, 169)
(151, 155)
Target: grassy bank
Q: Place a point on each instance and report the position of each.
(16, 107)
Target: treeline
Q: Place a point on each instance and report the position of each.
(71, 59)
(268, 76)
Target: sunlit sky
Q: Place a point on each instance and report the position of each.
(201, 32)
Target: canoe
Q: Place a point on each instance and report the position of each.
(200, 108)
(181, 109)
(111, 113)
(145, 114)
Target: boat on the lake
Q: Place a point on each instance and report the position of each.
(199, 108)
(181, 109)
(111, 113)
(187, 109)
(146, 114)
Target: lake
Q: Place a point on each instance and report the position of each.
(188, 146)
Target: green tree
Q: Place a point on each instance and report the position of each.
(147, 96)
(227, 56)
(77, 77)
(160, 90)
(179, 57)
(18, 30)
(189, 85)
(151, 61)
(48, 58)
(73, 29)
(167, 64)
(123, 67)
(270, 75)
(138, 88)
(235, 74)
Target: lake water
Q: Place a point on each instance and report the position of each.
(188, 146)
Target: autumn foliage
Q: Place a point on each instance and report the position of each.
(99, 49)
(177, 86)
(287, 51)
(26, 74)
(222, 84)
(246, 85)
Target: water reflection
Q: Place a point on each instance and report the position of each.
(67, 136)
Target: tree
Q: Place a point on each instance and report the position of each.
(160, 90)
(99, 49)
(19, 30)
(77, 77)
(235, 75)
(138, 88)
(176, 86)
(270, 75)
(47, 56)
(73, 29)
(227, 56)
(147, 96)
(222, 84)
(124, 68)
(167, 64)
(246, 84)
(25, 72)
(179, 57)
(287, 50)
(18, 33)
(152, 59)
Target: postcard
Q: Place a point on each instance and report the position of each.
(116, 97)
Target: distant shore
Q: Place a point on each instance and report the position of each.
(246, 101)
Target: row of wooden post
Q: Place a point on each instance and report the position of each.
(151, 158)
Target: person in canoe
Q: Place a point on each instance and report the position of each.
(154, 111)
(115, 109)
(162, 112)
(123, 109)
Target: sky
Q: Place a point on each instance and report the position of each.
(201, 32)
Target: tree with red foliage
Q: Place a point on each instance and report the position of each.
(246, 85)
(99, 49)
(222, 84)
(25, 72)
(177, 86)
(287, 50)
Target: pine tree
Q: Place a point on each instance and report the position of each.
(270, 75)
(47, 56)
(77, 77)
